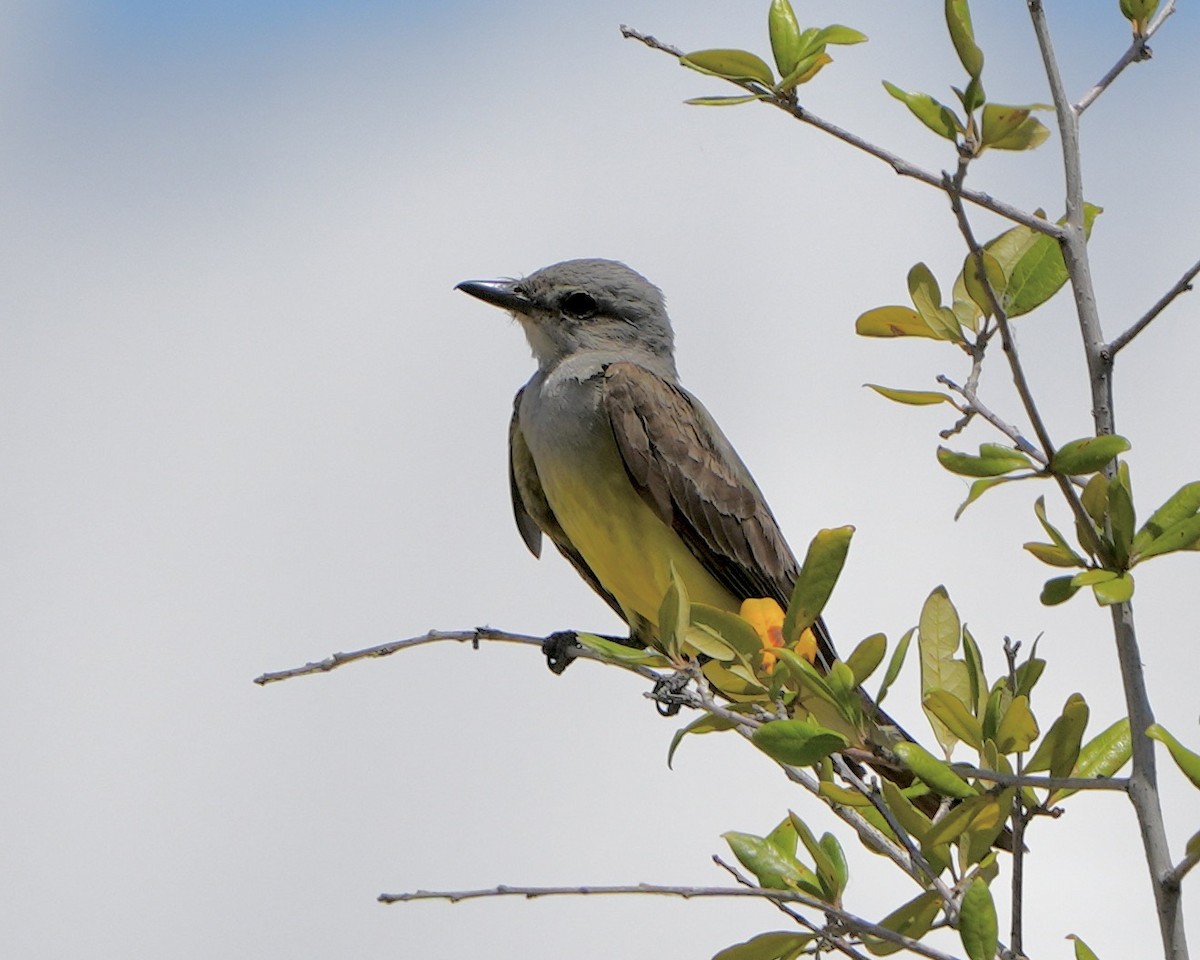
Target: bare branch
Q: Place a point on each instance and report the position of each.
(1183, 868)
(1137, 52)
(901, 166)
(1183, 285)
(473, 637)
(1143, 780)
(976, 406)
(1046, 783)
(853, 922)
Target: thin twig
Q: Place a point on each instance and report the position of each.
(1183, 285)
(473, 637)
(745, 881)
(901, 166)
(976, 406)
(852, 921)
(1137, 52)
(1183, 868)
(1045, 783)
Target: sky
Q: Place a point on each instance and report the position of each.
(247, 422)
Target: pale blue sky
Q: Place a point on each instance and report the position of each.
(247, 421)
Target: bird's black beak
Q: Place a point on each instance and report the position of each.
(499, 293)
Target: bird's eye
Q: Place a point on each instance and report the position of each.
(579, 305)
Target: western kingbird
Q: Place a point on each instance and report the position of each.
(621, 467)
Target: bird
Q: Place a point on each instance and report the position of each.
(622, 468)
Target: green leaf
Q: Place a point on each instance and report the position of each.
(961, 818)
(805, 70)
(776, 945)
(674, 616)
(912, 919)
(915, 823)
(1034, 265)
(927, 298)
(939, 634)
(1028, 136)
(730, 65)
(977, 923)
(1082, 950)
(975, 673)
(1054, 555)
(705, 724)
(995, 462)
(973, 285)
(1018, 727)
(785, 36)
(952, 712)
(724, 101)
(728, 628)
(962, 35)
(866, 657)
(1180, 506)
(916, 398)
(1058, 590)
(893, 321)
(1087, 455)
(1102, 756)
(824, 866)
(839, 874)
(620, 653)
(1000, 121)
(773, 869)
(980, 487)
(822, 565)
(798, 743)
(894, 665)
(1187, 761)
(842, 36)
(1180, 536)
(1039, 510)
(1060, 747)
(1119, 589)
(932, 771)
(1095, 498)
(936, 116)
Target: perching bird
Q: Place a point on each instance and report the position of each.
(621, 467)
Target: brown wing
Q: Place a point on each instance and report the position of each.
(532, 510)
(689, 473)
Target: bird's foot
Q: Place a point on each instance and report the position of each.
(668, 693)
(560, 649)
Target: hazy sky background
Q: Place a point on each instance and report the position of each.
(246, 421)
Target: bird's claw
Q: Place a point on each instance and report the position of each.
(560, 649)
(668, 693)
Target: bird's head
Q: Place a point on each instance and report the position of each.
(585, 306)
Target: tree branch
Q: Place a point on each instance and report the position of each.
(1046, 783)
(1183, 285)
(901, 166)
(1137, 52)
(473, 637)
(1143, 781)
(852, 921)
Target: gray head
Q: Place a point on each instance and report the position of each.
(585, 306)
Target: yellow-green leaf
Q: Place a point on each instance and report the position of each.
(1187, 761)
(939, 634)
(866, 657)
(912, 919)
(772, 868)
(915, 398)
(1088, 454)
(994, 464)
(776, 945)
(1119, 589)
(822, 565)
(705, 724)
(1059, 749)
(785, 36)
(1102, 756)
(952, 712)
(1180, 506)
(1054, 555)
(724, 101)
(1180, 536)
(730, 65)
(962, 35)
(977, 923)
(936, 116)
(894, 321)
(932, 771)
(1018, 727)
(1028, 136)
(798, 743)
(1082, 950)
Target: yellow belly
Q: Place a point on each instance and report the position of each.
(625, 543)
